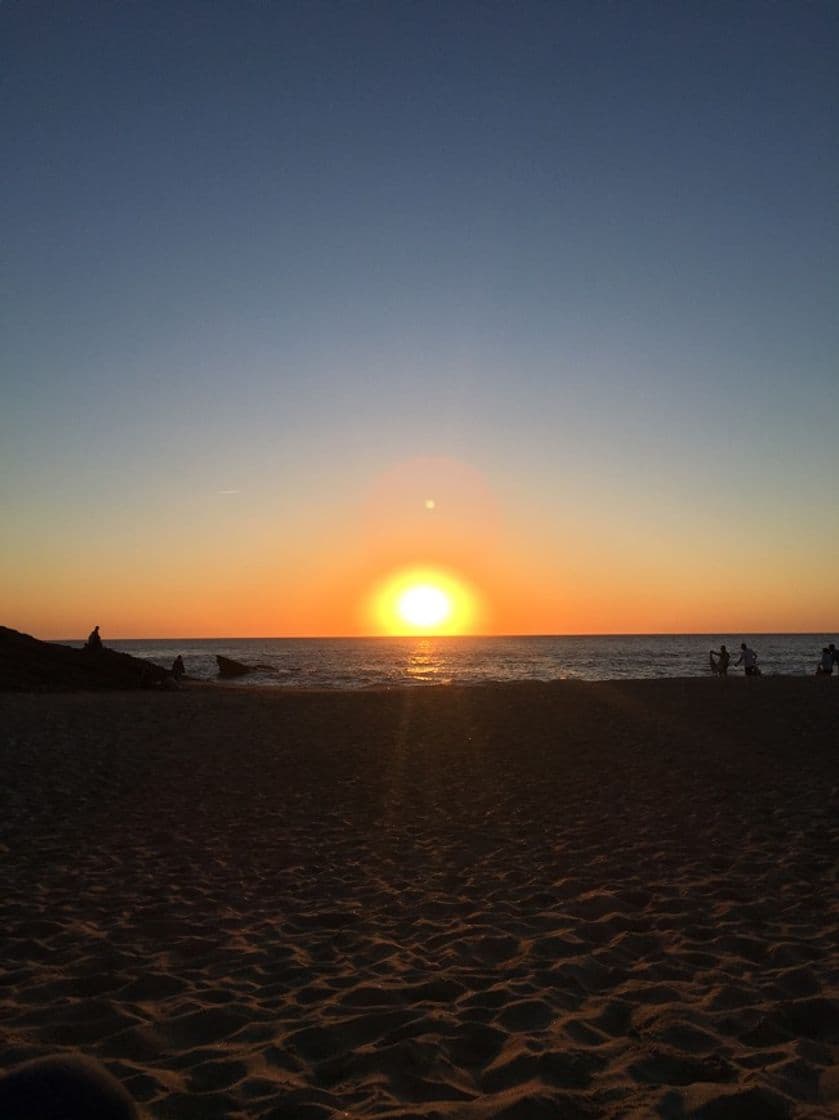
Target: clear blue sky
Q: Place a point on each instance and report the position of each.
(589, 249)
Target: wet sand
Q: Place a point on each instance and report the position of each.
(528, 901)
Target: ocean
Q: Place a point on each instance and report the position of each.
(353, 663)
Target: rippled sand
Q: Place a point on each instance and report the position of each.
(533, 901)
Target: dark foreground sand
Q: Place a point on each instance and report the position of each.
(569, 900)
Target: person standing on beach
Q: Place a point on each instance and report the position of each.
(720, 661)
(748, 659)
(834, 654)
(825, 665)
(94, 642)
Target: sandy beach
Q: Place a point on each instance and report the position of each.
(529, 901)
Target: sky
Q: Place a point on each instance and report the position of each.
(297, 297)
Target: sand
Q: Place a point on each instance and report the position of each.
(560, 900)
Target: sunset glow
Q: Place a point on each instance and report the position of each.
(314, 306)
(425, 601)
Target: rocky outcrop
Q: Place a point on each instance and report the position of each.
(227, 667)
(30, 665)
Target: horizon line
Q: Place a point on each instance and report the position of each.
(392, 637)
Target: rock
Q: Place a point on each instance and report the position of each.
(30, 665)
(227, 667)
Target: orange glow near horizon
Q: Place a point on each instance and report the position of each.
(429, 546)
(426, 601)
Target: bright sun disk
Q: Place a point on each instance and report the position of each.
(428, 601)
(424, 605)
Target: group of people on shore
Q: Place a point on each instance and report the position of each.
(721, 659)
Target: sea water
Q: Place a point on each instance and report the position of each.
(352, 663)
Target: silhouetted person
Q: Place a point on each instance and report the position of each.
(834, 653)
(825, 665)
(720, 661)
(178, 669)
(748, 659)
(66, 1086)
(94, 642)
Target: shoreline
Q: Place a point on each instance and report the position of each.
(216, 684)
(28, 664)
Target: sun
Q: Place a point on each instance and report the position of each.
(428, 601)
(424, 605)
